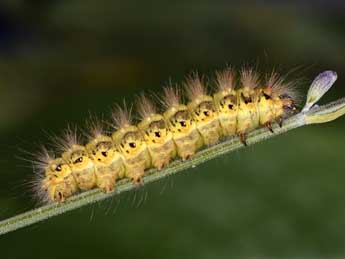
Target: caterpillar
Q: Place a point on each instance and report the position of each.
(240, 103)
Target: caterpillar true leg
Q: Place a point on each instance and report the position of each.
(243, 138)
(268, 125)
(280, 121)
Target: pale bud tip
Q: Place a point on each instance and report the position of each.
(321, 84)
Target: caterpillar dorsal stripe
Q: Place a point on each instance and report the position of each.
(179, 130)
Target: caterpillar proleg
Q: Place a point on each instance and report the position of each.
(177, 130)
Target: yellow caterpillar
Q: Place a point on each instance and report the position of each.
(180, 130)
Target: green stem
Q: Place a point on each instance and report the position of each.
(320, 114)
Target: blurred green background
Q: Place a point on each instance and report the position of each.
(59, 60)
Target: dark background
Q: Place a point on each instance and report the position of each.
(59, 60)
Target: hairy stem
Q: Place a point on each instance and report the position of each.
(320, 114)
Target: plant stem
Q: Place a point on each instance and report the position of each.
(320, 114)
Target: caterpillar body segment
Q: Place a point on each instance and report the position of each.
(130, 142)
(82, 167)
(59, 182)
(181, 124)
(156, 134)
(247, 98)
(267, 111)
(128, 139)
(270, 103)
(203, 111)
(108, 162)
(225, 101)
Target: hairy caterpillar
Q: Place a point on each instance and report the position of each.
(179, 131)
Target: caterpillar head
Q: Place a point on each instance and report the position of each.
(101, 149)
(76, 157)
(289, 105)
(57, 170)
(51, 172)
(58, 182)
